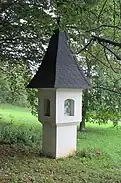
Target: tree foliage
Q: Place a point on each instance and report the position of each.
(94, 34)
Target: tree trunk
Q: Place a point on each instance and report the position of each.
(85, 98)
(84, 111)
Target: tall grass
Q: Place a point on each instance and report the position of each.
(17, 125)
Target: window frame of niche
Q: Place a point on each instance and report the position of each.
(69, 106)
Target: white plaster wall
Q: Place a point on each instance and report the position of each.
(51, 95)
(66, 139)
(61, 96)
(59, 131)
(49, 140)
(59, 141)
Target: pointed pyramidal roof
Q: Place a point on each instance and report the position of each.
(59, 68)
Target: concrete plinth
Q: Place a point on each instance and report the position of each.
(59, 140)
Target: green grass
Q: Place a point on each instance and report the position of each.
(19, 125)
(104, 138)
(98, 158)
(21, 115)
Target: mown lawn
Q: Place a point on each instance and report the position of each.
(98, 158)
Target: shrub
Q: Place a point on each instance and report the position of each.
(89, 153)
(13, 132)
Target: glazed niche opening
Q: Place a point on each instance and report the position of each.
(69, 107)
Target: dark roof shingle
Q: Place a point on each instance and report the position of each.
(59, 68)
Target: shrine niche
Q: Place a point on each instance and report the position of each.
(69, 107)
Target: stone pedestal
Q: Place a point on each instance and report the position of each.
(59, 140)
(60, 110)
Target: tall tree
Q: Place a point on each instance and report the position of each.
(94, 30)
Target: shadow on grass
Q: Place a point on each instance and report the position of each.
(19, 150)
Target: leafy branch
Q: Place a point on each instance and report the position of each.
(101, 41)
(105, 88)
(103, 26)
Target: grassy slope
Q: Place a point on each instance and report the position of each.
(22, 163)
(19, 125)
(19, 114)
